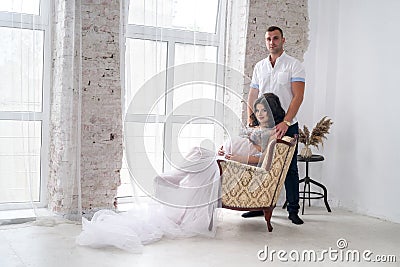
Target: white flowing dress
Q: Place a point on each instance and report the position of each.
(185, 203)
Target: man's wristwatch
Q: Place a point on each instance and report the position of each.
(287, 123)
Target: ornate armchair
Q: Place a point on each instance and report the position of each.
(246, 187)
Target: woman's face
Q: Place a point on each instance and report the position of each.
(261, 114)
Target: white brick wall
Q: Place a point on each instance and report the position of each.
(100, 110)
(101, 104)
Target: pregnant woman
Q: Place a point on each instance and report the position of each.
(186, 199)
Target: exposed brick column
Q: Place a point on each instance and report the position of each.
(63, 159)
(101, 103)
(85, 48)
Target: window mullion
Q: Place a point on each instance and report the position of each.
(44, 150)
(21, 116)
(22, 21)
(153, 33)
(169, 95)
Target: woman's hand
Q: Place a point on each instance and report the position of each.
(237, 158)
(258, 147)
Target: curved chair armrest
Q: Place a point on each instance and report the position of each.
(239, 165)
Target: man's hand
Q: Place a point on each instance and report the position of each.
(281, 129)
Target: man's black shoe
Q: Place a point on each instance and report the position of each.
(253, 213)
(295, 218)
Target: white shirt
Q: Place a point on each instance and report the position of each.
(278, 79)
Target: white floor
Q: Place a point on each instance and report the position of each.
(238, 243)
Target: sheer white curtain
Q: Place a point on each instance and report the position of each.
(66, 105)
(24, 102)
(40, 107)
(174, 85)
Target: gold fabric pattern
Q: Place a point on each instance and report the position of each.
(245, 186)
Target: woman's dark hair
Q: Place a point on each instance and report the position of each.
(272, 101)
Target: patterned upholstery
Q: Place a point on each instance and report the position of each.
(247, 187)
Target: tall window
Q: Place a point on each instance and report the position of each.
(24, 105)
(161, 35)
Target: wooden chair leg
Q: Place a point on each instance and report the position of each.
(267, 216)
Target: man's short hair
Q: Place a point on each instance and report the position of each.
(274, 28)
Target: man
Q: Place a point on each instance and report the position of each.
(284, 76)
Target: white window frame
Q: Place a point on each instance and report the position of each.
(172, 37)
(34, 22)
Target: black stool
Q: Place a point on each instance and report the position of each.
(307, 180)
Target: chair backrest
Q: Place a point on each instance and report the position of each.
(283, 154)
(268, 155)
(244, 186)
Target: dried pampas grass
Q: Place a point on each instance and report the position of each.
(318, 134)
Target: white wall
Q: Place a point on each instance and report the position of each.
(353, 67)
